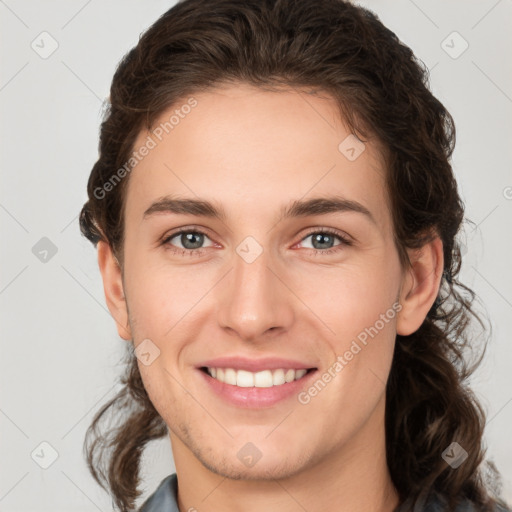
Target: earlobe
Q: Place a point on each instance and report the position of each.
(420, 286)
(113, 288)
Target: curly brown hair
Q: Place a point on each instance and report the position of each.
(382, 91)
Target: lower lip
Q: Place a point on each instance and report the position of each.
(256, 397)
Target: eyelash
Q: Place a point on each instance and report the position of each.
(177, 250)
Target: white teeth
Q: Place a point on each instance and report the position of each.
(244, 379)
(300, 373)
(230, 376)
(289, 375)
(278, 377)
(263, 379)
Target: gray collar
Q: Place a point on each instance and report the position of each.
(164, 499)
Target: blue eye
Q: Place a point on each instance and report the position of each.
(326, 236)
(192, 241)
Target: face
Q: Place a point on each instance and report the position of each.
(288, 294)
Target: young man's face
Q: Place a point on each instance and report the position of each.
(267, 293)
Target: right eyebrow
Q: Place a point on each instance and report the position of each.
(199, 207)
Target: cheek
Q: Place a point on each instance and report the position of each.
(358, 304)
(157, 298)
(352, 297)
(347, 298)
(167, 397)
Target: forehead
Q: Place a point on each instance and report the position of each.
(249, 149)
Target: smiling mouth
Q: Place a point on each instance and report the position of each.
(262, 379)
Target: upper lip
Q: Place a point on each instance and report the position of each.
(255, 365)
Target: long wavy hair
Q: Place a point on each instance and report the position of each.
(382, 91)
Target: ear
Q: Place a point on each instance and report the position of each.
(113, 288)
(420, 286)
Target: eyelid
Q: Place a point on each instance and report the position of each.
(188, 229)
(345, 239)
(205, 231)
(185, 229)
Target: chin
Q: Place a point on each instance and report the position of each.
(276, 465)
(261, 471)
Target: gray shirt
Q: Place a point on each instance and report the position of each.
(164, 499)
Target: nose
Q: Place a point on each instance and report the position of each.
(255, 299)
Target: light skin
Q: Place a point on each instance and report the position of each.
(252, 153)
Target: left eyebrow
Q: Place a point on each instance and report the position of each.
(298, 208)
(323, 206)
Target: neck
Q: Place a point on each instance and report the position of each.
(353, 479)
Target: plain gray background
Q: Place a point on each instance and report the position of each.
(60, 349)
